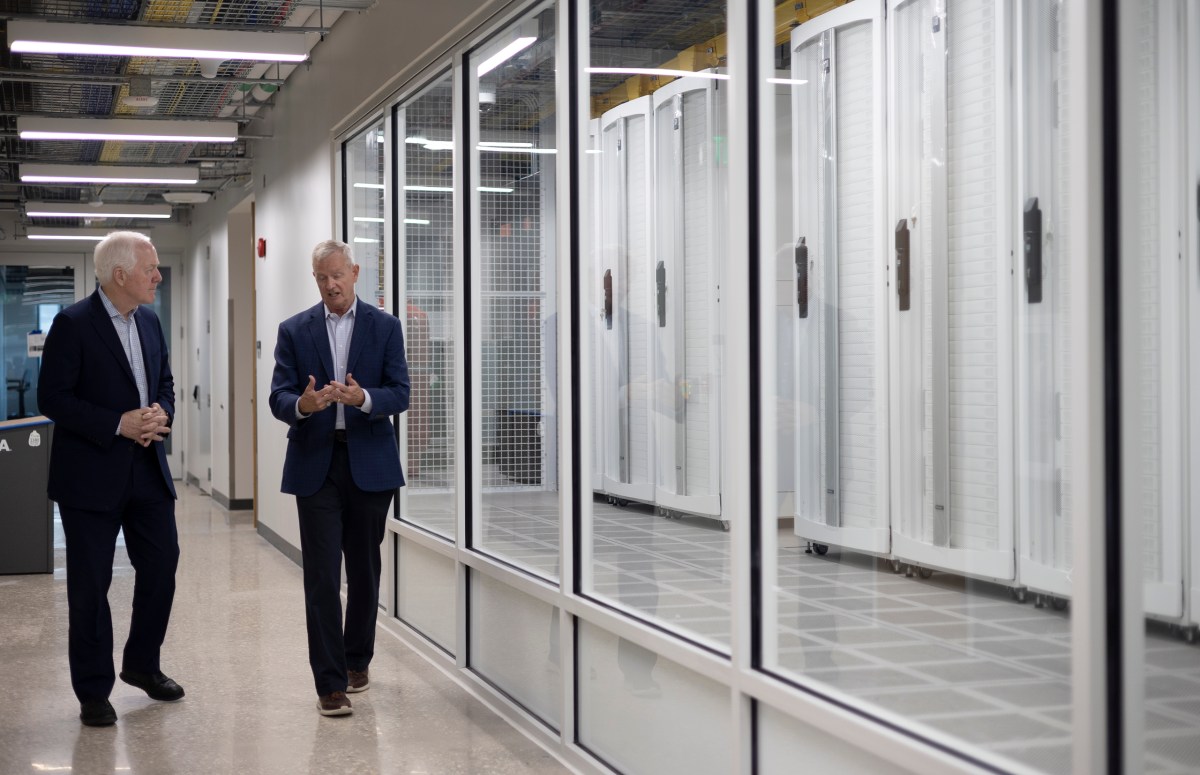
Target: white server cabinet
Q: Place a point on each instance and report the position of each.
(601, 312)
(690, 245)
(951, 287)
(839, 310)
(1191, 258)
(1154, 315)
(626, 332)
(1042, 302)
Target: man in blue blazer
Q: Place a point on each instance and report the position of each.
(106, 383)
(340, 376)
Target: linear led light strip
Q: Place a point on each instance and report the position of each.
(128, 130)
(95, 235)
(66, 173)
(87, 211)
(659, 71)
(39, 37)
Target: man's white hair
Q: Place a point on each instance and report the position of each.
(118, 249)
(327, 248)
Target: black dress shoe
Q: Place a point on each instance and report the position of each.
(97, 713)
(156, 685)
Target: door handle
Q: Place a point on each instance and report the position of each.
(903, 265)
(608, 299)
(660, 281)
(1032, 227)
(801, 257)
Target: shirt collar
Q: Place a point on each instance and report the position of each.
(111, 308)
(349, 312)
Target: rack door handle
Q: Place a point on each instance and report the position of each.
(660, 281)
(1032, 228)
(903, 265)
(801, 257)
(608, 298)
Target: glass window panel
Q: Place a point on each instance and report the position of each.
(424, 128)
(641, 713)
(30, 297)
(656, 544)
(783, 741)
(515, 281)
(913, 372)
(514, 644)
(426, 593)
(366, 211)
(1160, 361)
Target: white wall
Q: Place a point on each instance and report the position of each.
(366, 56)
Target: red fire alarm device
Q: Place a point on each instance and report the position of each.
(262, 248)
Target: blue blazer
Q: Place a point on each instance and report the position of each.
(377, 362)
(85, 385)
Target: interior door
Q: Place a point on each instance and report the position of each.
(951, 332)
(840, 319)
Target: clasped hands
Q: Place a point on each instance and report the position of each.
(145, 425)
(313, 400)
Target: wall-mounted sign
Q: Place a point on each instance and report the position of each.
(35, 342)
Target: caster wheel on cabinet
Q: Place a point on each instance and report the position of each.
(822, 549)
(924, 572)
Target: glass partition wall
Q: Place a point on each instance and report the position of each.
(657, 545)
(904, 588)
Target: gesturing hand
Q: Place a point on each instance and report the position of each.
(313, 400)
(349, 394)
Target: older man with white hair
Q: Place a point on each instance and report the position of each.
(106, 383)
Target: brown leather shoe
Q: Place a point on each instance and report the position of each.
(334, 704)
(360, 681)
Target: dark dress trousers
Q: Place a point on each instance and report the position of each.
(104, 482)
(343, 489)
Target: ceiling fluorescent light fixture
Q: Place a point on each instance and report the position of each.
(512, 149)
(93, 235)
(502, 144)
(788, 81)
(417, 221)
(659, 71)
(126, 129)
(365, 219)
(68, 173)
(500, 57)
(379, 186)
(82, 210)
(41, 37)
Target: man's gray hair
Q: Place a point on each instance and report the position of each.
(327, 248)
(118, 249)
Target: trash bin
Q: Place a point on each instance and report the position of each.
(28, 515)
(520, 445)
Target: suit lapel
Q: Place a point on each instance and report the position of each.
(108, 334)
(364, 322)
(320, 341)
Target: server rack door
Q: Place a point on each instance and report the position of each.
(1156, 309)
(1042, 302)
(952, 340)
(601, 316)
(840, 317)
(689, 196)
(1191, 259)
(625, 229)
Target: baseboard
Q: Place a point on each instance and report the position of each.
(234, 504)
(276, 540)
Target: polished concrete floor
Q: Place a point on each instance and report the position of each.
(237, 645)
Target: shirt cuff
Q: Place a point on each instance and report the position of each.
(366, 404)
(299, 414)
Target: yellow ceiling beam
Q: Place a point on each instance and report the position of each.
(710, 53)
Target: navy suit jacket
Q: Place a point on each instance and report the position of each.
(85, 385)
(378, 364)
